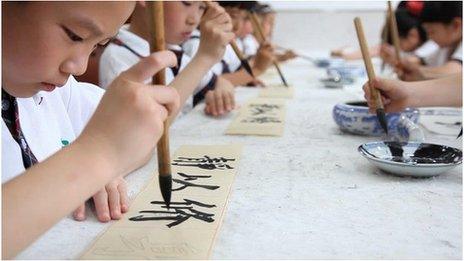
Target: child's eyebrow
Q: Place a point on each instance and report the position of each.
(90, 25)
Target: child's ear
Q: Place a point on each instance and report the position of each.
(457, 23)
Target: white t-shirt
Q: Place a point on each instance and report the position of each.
(116, 59)
(49, 121)
(426, 49)
(441, 56)
(250, 46)
(230, 59)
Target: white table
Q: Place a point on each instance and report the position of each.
(307, 194)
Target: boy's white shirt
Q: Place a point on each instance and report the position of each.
(440, 56)
(191, 46)
(426, 49)
(116, 59)
(250, 45)
(49, 119)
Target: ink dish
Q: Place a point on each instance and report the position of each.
(354, 117)
(411, 159)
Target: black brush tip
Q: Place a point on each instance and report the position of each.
(382, 119)
(166, 188)
(247, 67)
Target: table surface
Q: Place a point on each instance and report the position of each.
(307, 194)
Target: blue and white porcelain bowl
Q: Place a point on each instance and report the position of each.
(354, 117)
(347, 71)
(413, 159)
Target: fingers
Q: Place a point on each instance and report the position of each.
(113, 200)
(149, 66)
(219, 102)
(166, 96)
(79, 213)
(101, 206)
(123, 198)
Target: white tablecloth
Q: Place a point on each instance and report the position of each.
(307, 194)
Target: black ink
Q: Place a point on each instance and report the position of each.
(260, 109)
(188, 178)
(204, 163)
(264, 119)
(178, 212)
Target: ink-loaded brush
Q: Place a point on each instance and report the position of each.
(237, 51)
(157, 44)
(257, 27)
(375, 94)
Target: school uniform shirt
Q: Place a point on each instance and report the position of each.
(116, 59)
(426, 49)
(250, 46)
(442, 56)
(49, 121)
(229, 63)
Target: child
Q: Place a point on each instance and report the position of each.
(413, 38)
(397, 95)
(230, 66)
(443, 23)
(267, 19)
(181, 18)
(39, 118)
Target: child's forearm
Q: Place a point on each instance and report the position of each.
(445, 91)
(238, 78)
(441, 71)
(50, 190)
(188, 79)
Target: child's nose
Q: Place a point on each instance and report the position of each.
(75, 65)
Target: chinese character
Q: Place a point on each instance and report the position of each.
(178, 212)
(188, 178)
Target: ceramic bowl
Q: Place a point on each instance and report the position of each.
(347, 71)
(327, 62)
(354, 117)
(413, 159)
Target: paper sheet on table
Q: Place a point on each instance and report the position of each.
(277, 91)
(260, 116)
(202, 178)
(444, 121)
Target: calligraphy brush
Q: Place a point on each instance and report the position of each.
(257, 27)
(237, 51)
(157, 44)
(371, 74)
(394, 32)
(385, 33)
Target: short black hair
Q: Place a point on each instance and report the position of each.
(406, 22)
(441, 11)
(244, 5)
(263, 9)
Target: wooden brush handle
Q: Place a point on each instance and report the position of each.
(394, 31)
(256, 26)
(157, 44)
(237, 50)
(367, 62)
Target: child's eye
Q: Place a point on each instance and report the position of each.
(187, 3)
(74, 37)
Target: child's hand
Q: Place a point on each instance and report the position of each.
(409, 71)
(129, 120)
(216, 32)
(387, 53)
(288, 55)
(110, 202)
(396, 95)
(221, 100)
(263, 59)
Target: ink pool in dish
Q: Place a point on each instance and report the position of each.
(411, 158)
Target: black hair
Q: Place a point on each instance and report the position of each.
(244, 5)
(441, 11)
(263, 9)
(406, 22)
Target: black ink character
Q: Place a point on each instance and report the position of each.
(178, 212)
(204, 163)
(261, 109)
(260, 120)
(185, 183)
